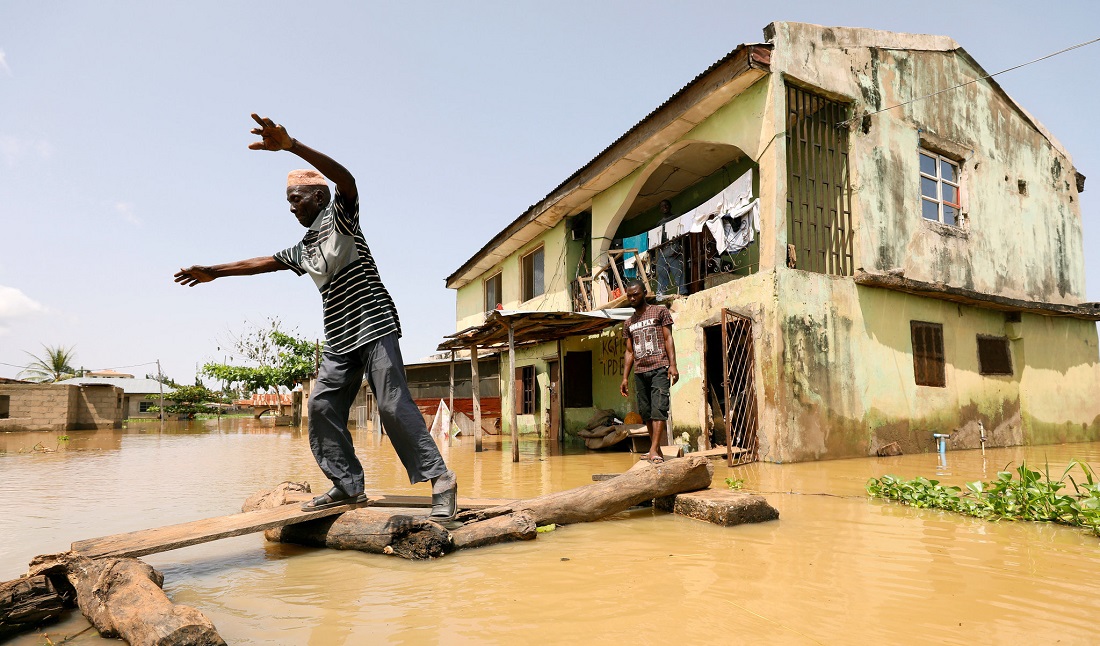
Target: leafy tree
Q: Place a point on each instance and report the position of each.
(55, 364)
(278, 358)
(190, 400)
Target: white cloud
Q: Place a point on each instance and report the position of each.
(4, 63)
(126, 210)
(15, 304)
(15, 149)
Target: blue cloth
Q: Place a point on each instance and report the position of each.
(639, 242)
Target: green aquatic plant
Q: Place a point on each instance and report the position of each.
(735, 483)
(1023, 495)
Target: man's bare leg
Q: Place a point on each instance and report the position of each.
(656, 435)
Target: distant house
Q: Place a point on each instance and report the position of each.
(136, 391)
(53, 407)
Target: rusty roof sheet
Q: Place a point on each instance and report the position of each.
(533, 327)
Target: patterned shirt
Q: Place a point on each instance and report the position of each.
(646, 333)
(357, 307)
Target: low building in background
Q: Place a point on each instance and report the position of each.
(136, 402)
(58, 407)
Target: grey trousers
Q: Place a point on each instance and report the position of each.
(338, 382)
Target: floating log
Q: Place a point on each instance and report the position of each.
(644, 481)
(389, 531)
(122, 597)
(502, 529)
(408, 533)
(27, 603)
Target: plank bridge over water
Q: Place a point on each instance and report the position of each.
(171, 537)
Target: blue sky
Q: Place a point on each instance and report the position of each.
(124, 129)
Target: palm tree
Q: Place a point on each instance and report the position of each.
(53, 366)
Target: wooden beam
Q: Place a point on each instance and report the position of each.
(974, 298)
(171, 537)
(513, 416)
(475, 385)
(451, 402)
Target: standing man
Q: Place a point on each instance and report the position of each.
(361, 330)
(651, 352)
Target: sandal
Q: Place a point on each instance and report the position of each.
(657, 459)
(334, 497)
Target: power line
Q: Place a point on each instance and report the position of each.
(844, 124)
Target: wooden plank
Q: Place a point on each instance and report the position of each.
(719, 452)
(171, 537)
(414, 502)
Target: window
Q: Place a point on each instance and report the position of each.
(143, 407)
(5, 406)
(531, 274)
(928, 364)
(492, 293)
(994, 355)
(939, 188)
(526, 391)
(578, 379)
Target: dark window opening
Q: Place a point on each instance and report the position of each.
(527, 392)
(143, 407)
(492, 293)
(531, 273)
(578, 379)
(5, 406)
(928, 359)
(994, 356)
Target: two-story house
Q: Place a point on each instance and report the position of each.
(843, 274)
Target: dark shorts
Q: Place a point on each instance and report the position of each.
(652, 392)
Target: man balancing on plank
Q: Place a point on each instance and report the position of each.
(361, 330)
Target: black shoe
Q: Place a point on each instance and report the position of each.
(333, 498)
(445, 504)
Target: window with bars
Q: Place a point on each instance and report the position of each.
(929, 368)
(531, 274)
(939, 188)
(492, 292)
(994, 355)
(526, 391)
(819, 214)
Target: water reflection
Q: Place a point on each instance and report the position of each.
(836, 568)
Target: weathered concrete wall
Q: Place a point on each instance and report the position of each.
(1019, 245)
(34, 407)
(847, 384)
(99, 407)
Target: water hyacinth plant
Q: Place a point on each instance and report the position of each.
(1025, 495)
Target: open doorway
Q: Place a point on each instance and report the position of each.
(729, 363)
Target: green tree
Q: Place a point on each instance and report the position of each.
(189, 400)
(55, 364)
(277, 358)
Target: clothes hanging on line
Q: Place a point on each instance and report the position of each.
(735, 229)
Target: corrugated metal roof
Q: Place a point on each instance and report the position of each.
(505, 233)
(130, 386)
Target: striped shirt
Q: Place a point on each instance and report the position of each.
(357, 307)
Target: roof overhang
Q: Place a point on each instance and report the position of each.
(533, 327)
(696, 101)
(1088, 312)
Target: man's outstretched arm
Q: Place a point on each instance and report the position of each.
(275, 138)
(196, 274)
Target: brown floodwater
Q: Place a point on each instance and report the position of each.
(835, 569)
